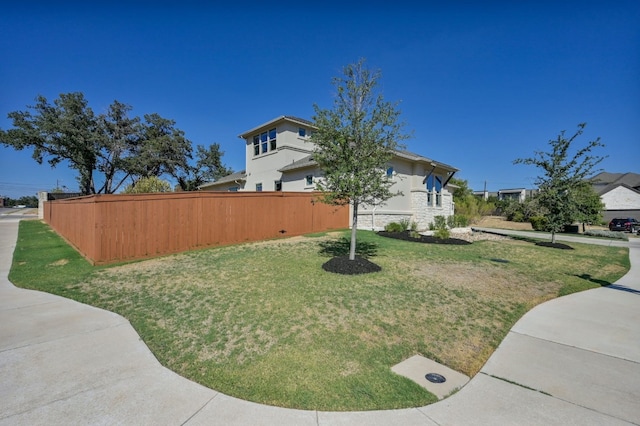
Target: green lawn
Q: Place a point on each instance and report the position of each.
(264, 322)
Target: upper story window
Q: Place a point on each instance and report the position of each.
(258, 187)
(265, 142)
(278, 185)
(309, 180)
(272, 139)
(256, 145)
(390, 172)
(302, 132)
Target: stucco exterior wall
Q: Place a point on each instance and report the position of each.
(297, 180)
(263, 168)
(621, 198)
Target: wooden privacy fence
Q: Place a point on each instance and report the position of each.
(111, 228)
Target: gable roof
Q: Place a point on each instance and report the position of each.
(606, 182)
(308, 161)
(290, 118)
(232, 178)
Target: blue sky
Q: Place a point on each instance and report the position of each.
(479, 83)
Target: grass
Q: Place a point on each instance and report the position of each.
(264, 322)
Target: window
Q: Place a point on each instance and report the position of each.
(258, 187)
(256, 145)
(390, 172)
(302, 132)
(234, 189)
(263, 141)
(272, 139)
(278, 185)
(309, 180)
(438, 191)
(429, 189)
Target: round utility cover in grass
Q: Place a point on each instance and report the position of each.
(342, 265)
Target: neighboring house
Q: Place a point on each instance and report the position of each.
(519, 194)
(620, 193)
(279, 157)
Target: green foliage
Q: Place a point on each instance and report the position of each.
(107, 149)
(607, 234)
(440, 222)
(538, 223)
(457, 221)
(439, 225)
(209, 167)
(414, 234)
(27, 200)
(518, 216)
(442, 233)
(147, 185)
(394, 227)
(467, 204)
(405, 223)
(462, 189)
(355, 141)
(589, 205)
(561, 177)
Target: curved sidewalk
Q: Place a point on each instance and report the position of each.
(573, 360)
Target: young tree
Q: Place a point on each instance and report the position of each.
(589, 205)
(355, 141)
(562, 175)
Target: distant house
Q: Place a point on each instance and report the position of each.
(619, 192)
(279, 157)
(519, 194)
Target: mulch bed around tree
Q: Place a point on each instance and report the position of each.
(342, 265)
(554, 245)
(405, 235)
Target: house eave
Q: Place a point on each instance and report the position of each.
(276, 120)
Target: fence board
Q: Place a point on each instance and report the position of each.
(111, 228)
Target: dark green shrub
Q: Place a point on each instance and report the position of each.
(405, 223)
(394, 227)
(538, 223)
(440, 226)
(442, 233)
(518, 217)
(457, 221)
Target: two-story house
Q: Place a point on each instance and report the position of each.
(279, 157)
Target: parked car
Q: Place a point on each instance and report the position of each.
(627, 224)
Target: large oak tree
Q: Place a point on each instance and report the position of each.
(107, 149)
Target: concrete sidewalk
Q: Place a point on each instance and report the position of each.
(573, 360)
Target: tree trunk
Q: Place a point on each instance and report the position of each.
(553, 237)
(354, 228)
